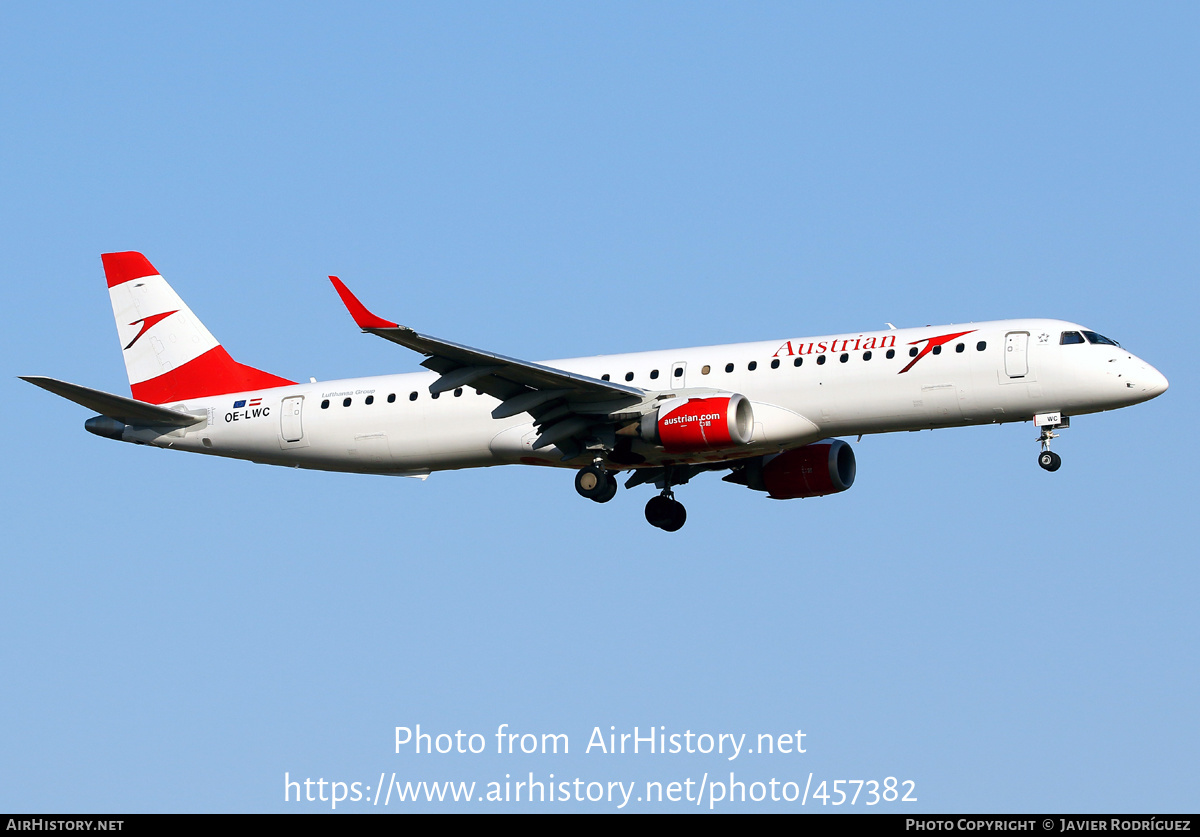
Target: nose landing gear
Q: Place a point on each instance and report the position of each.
(1049, 460)
(1049, 422)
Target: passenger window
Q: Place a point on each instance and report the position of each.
(458, 392)
(654, 374)
(392, 398)
(412, 396)
(798, 362)
(775, 363)
(959, 348)
(605, 377)
(845, 357)
(345, 402)
(1070, 338)
(629, 376)
(325, 404)
(866, 355)
(729, 367)
(370, 399)
(937, 350)
(752, 365)
(980, 346)
(679, 372)
(435, 395)
(820, 360)
(891, 354)
(705, 369)
(912, 352)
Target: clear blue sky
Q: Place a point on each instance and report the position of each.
(545, 181)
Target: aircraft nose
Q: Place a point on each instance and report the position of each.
(1146, 381)
(1156, 382)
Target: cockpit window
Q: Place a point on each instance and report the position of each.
(1093, 337)
(1069, 337)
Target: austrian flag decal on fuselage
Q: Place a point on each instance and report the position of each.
(244, 410)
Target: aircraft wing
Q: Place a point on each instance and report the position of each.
(125, 410)
(567, 407)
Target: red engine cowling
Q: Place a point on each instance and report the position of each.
(811, 471)
(701, 424)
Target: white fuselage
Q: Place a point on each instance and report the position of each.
(1009, 370)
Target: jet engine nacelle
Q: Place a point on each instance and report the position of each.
(811, 471)
(700, 424)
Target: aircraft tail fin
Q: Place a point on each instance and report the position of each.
(169, 355)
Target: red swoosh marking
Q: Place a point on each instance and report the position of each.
(147, 323)
(933, 341)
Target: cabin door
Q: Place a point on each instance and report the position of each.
(1016, 362)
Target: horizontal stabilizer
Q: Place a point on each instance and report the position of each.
(125, 410)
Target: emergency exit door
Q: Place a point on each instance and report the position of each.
(290, 419)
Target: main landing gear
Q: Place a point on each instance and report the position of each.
(665, 512)
(596, 484)
(599, 485)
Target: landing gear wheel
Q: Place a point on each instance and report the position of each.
(609, 492)
(658, 511)
(678, 517)
(594, 482)
(1050, 460)
(666, 513)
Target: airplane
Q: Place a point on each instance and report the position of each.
(768, 413)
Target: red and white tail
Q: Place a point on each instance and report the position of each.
(169, 355)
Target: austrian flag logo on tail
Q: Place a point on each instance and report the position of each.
(147, 322)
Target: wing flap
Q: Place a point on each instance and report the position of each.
(526, 400)
(461, 377)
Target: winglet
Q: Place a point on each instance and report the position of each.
(362, 317)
